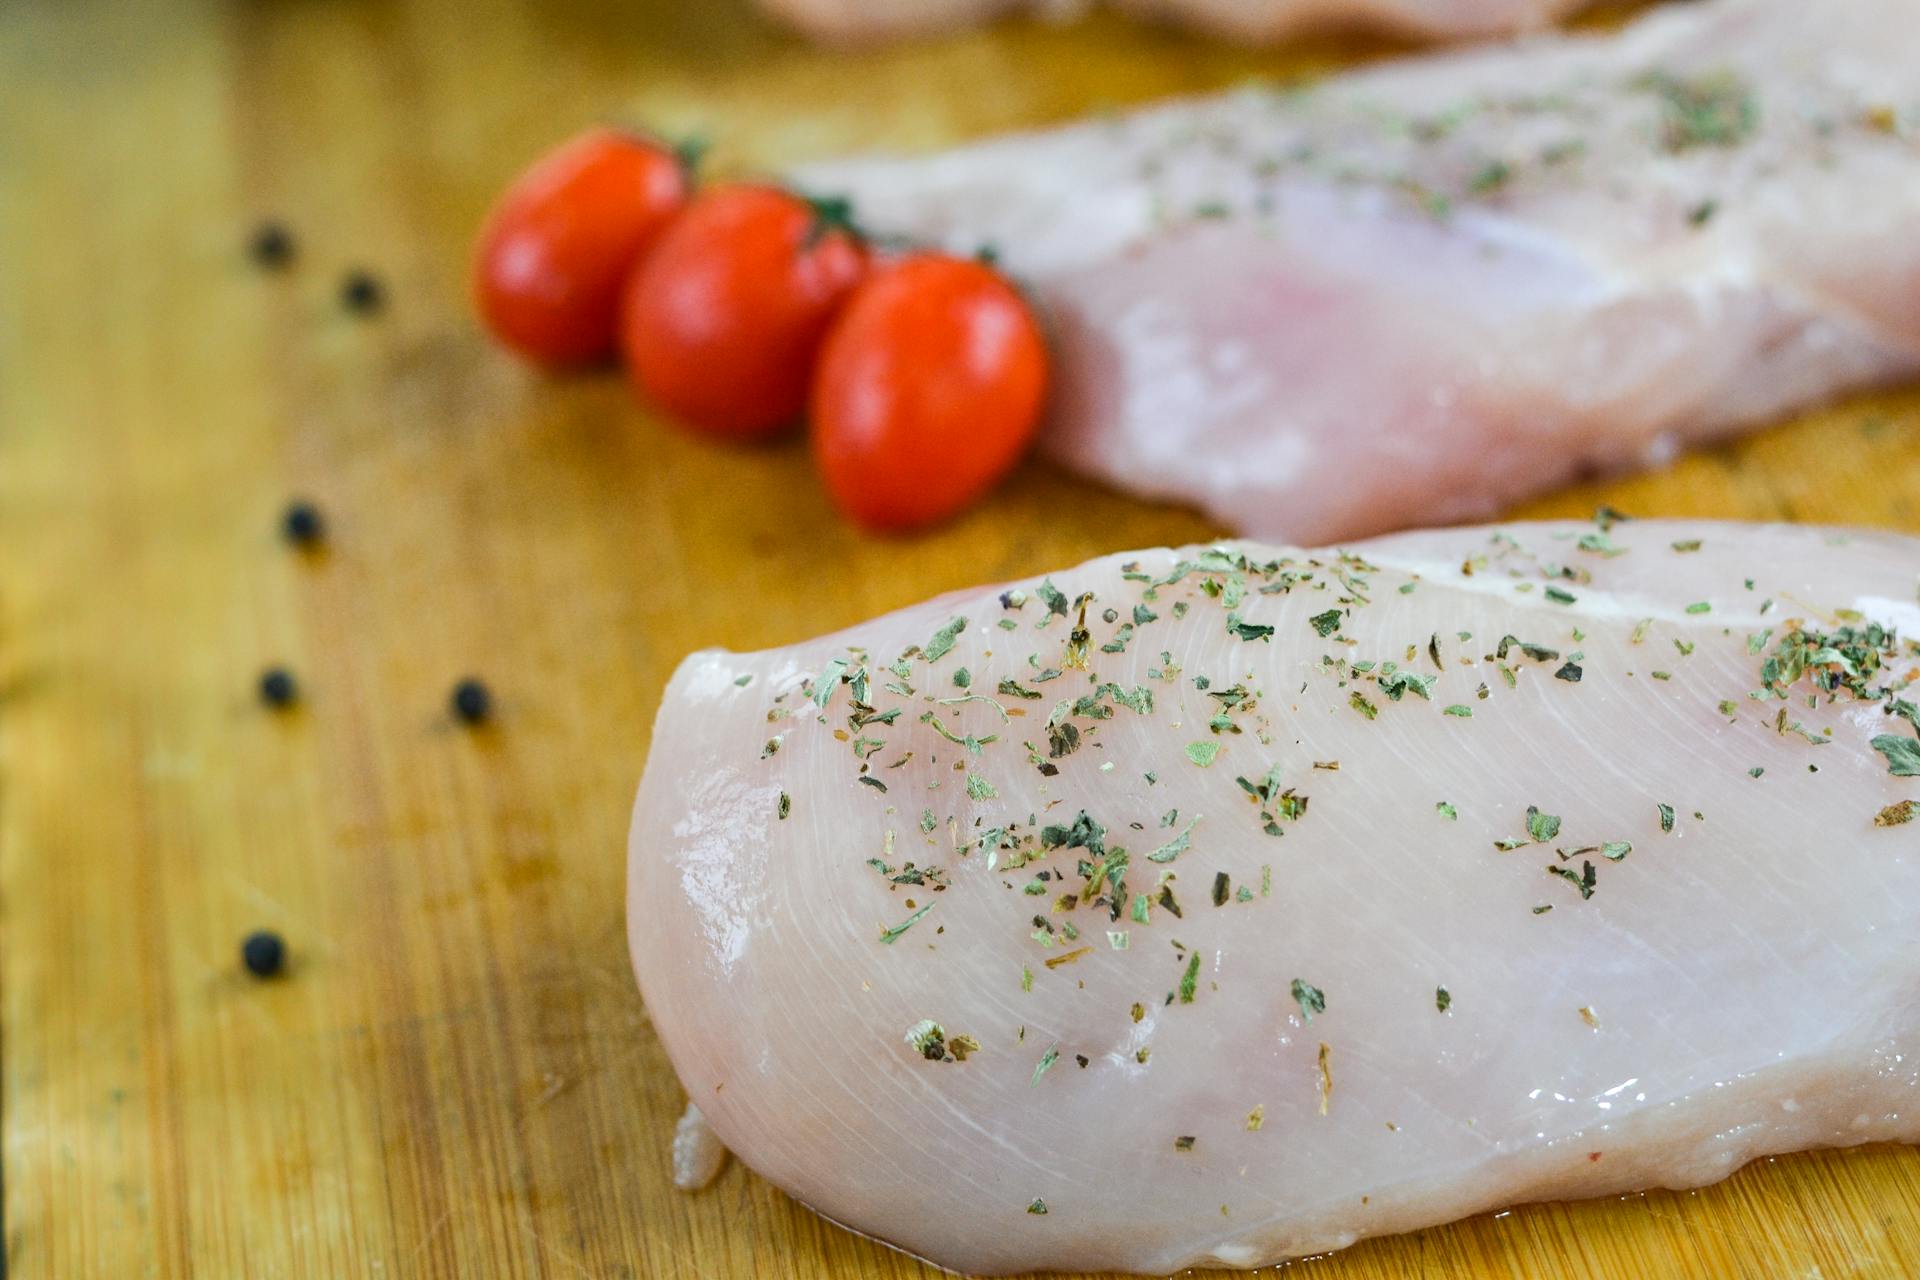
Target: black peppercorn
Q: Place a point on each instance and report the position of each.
(263, 953)
(303, 524)
(277, 687)
(471, 701)
(361, 292)
(271, 246)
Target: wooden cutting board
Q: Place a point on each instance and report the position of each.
(457, 1078)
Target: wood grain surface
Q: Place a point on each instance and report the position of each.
(457, 1077)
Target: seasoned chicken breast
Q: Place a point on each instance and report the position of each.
(1219, 906)
(1416, 294)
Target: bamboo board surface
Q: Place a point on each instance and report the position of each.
(457, 1077)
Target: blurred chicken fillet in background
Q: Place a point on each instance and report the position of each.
(1251, 21)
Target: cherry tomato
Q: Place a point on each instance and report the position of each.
(723, 321)
(929, 389)
(563, 238)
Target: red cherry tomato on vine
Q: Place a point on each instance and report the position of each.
(929, 389)
(560, 243)
(722, 323)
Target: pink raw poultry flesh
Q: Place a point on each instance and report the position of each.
(1412, 295)
(1634, 797)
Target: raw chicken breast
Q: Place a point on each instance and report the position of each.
(1254, 21)
(1415, 294)
(1460, 869)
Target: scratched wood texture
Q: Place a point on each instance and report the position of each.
(457, 1077)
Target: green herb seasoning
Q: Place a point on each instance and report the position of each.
(1539, 653)
(829, 679)
(1047, 1059)
(942, 642)
(1394, 682)
(1174, 847)
(1897, 815)
(1310, 998)
(1055, 962)
(971, 743)
(1442, 999)
(1248, 630)
(1447, 811)
(1584, 881)
(1903, 754)
(1842, 661)
(1204, 753)
(1717, 109)
(889, 936)
(929, 1039)
(1079, 642)
(1600, 543)
(1491, 177)
(1666, 817)
(1190, 979)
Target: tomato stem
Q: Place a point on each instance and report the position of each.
(830, 214)
(690, 151)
